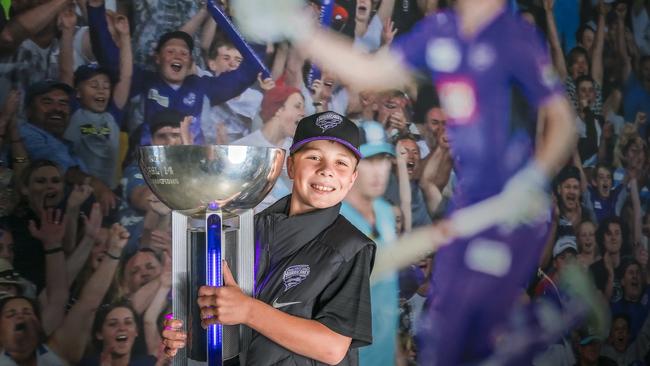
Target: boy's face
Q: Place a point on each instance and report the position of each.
(94, 93)
(228, 59)
(323, 172)
(603, 182)
(174, 61)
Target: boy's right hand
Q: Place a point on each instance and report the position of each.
(173, 337)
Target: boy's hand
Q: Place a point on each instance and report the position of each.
(226, 305)
(173, 337)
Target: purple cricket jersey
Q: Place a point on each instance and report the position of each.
(474, 78)
(476, 280)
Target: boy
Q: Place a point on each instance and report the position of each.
(312, 302)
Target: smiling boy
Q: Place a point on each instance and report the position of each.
(312, 299)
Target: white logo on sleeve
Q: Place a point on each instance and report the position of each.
(443, 54)
(294, 275)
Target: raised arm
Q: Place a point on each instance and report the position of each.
(123, 87)
(76, 260)
(158, 304)
(432, 194)
(50, 233)
(621, 46)
(192, 26)
(66, 22)
(385, 11)
(69, 341)
(29, 23)
(104, 48)
(404, 187)
(554, 40)
(599, 42)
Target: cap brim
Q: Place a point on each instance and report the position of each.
(295, 147)
(368, 150)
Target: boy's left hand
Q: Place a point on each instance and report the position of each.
(226, 305)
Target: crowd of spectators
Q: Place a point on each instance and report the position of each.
(85, 246)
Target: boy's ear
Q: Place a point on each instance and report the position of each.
(290, 166)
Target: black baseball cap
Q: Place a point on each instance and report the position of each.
(175, 35)
(85, 72)
(45, 86)
(327, 126)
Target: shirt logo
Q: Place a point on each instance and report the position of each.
(443, 55)
(278, 305)
(458, 100)
(481, 57)
(294, 275)
(328, 120)
(190, 99)
(162, 100)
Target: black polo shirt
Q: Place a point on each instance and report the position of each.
(314, 266)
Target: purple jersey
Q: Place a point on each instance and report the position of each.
(475, 77)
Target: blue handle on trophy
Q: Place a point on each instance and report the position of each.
(237, 38)
(214, 277)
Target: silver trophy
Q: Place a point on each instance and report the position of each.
(211, 191)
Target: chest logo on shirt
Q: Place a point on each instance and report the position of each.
(90, 130)
(481, 57)
(189, 99)
(155, 95)
(458, 99)
(294, 275)
(328, 120)
(443, 54)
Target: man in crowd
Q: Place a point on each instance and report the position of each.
(366, 209)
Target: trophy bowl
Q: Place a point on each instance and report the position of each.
(188, 178)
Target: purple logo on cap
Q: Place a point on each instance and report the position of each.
(328, 120)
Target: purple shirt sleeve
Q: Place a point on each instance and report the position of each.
(532, 68)
(411, 47)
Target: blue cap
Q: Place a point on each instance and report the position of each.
(373, 140)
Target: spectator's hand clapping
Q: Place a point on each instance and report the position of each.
(51, 229)
(266, 84)
(602, 8)
(397, 120)
(621, 10)
(79, 194)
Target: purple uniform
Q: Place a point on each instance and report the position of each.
(476, 280)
